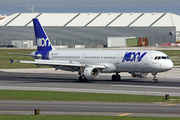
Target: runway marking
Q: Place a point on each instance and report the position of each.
(138, 86)
(124, 114)
(28, 75)
(168, 104)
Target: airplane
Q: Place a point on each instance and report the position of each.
(90, 63)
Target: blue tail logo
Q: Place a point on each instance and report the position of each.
(42, 40)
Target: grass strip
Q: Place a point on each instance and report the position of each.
(76, 96)
(5, 62)
(173, 55)
(78, 117)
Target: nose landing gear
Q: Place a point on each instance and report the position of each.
(154, 80)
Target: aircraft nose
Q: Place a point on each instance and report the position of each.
(169, 65)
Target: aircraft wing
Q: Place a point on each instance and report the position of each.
(58, 63)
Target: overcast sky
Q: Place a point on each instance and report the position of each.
(51, 3)
(73, 6)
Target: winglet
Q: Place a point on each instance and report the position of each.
(11, 60)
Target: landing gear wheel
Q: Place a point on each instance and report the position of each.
(116, 77)
(82, 79)
(113, 77)
(155, 80)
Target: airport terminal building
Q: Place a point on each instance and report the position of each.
(91, 28)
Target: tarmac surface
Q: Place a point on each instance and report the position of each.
(50, 80)
(91, 108)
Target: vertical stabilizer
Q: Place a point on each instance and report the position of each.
(42, 40)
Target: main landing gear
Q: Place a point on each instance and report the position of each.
(116, 77)
(154, 80)
(82, 77)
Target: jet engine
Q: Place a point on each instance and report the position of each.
(91, 72)
(139, 74)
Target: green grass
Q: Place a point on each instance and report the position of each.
(5, 61)
(174, 55)
(73, 96)
(78, 117)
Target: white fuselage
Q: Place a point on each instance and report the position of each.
(117, 60)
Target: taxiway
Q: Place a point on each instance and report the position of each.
(50, 80)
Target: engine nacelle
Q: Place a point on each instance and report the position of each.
(91, 72)
(139, 74)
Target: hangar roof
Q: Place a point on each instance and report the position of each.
(94, 19)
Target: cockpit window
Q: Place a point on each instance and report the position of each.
(161, 57)
(164, 57)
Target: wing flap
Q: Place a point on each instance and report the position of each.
(59, 63)
(53, 62)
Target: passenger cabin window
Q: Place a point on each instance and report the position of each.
(161, 57)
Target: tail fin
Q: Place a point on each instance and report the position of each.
(42, 40)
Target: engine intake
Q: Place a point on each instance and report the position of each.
(91, 72)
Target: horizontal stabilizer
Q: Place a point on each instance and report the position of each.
(13, 60)
(34, 56)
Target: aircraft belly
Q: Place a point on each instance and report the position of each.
(126, 67)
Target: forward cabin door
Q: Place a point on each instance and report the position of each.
(117, 61)
(145, 63)
(118, 58)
